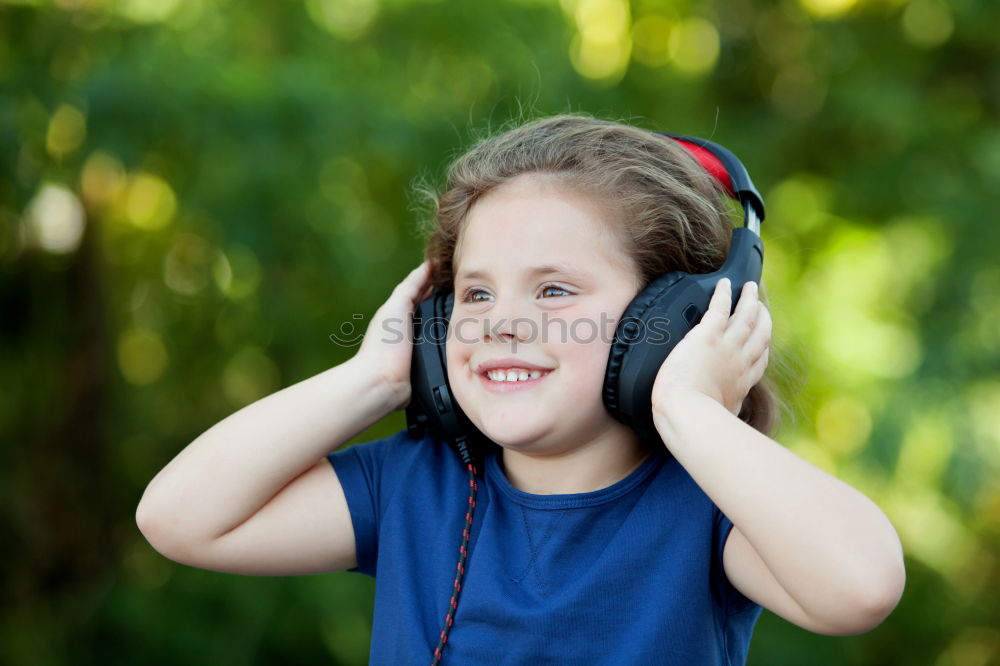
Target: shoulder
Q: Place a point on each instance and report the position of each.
(386, 461)
(399, 448)
(381, 446)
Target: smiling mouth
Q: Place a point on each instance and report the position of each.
(507, 380)
(513, 375)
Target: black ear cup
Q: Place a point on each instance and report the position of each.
(657, 319)
(639, 323)
(432, 407)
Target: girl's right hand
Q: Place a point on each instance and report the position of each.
(387, 347)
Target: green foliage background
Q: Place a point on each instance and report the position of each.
(194, 194)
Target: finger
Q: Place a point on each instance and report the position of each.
(761, 336)
(744, 315)
(421, 271)
(720, 304)
(428, 287)
(748, 299)
(416, 274)
(760, 365)
(413, 283)
(760, 340)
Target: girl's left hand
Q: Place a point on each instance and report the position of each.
(723, 356)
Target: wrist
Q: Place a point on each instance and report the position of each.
(373, 380)
(670, 400)
(674, 405)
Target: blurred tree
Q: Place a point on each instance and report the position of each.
(195, 193)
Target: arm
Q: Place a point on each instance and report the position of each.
(829, 547)
(230, 472)
(804, 544)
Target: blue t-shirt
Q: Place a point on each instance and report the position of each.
(628, 574)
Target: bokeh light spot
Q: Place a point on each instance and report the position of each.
(67, 130)
(142, 356)
(983, 400)
(827, 8)
(249, 376)
(862, 333)
(148, 11)
(236, 271)
(925, 451)
(797, 91)
(601, 20)
(799, 202)
(651, 40)
(602, 48)
(927, 23)
(150, 203)
(347, 19)
(222, 271)
(101, 180)
(843, 425)
(929, 527)
(54, 219)
(694, 46)
(600, 61)
(186, 265)
(865, 347)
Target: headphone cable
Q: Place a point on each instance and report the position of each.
(463, 552)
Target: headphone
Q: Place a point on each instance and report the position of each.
(650, 327)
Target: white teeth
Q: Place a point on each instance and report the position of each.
(518, 375)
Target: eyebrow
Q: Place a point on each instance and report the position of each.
(546, 269)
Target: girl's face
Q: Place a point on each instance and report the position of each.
(540, 282)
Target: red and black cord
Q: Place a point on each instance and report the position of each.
(463, 554)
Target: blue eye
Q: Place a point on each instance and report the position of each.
(471, 294)
(467, 296)
(556, 287)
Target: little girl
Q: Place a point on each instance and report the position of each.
(589, 543)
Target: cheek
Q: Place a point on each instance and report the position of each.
(588, 361)
(451, 357)
(457, 355)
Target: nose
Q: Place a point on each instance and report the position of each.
(508, 323)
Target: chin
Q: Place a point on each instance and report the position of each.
(510, 433)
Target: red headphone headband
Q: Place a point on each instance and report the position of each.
(711, 164)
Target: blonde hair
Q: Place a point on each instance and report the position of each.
(670, 212)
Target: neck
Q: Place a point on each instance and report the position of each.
(597, 464)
